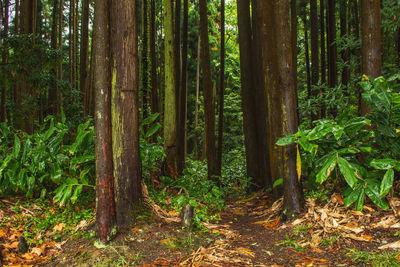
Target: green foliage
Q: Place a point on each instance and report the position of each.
(377, 259)
(37, 163)
(362, 150)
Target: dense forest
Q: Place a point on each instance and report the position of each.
(119, 114)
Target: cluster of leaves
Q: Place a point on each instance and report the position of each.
(364, 149)
(41, 162)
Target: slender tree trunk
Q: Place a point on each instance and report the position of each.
(345, 54)
(105, 215)
(90, 98)
(209, 109)
(53, 91)
(293, 201)
(221, 90)
(307, 59)
(293, 27)
(125, 110)
(170, 112)
(323, 51)
(3, 112)
(371, 39)
(145, 79)
(332, 56)
(60, 47)
(71, 43)
(183, 93)
(154, 89)
(314, 54)
(196, 107)
(84, 57)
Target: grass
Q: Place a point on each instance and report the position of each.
(376, 259)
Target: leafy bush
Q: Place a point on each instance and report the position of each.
(362, 149)
(41, 162)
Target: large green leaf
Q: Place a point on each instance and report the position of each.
(355, 124)
(153, 129)
(320, 131)
(287, 140)
(149, 119)
(307, 146)
(386, 183)
(372, 191)
(337, 131)
(353, 195)
(16, 147)
(384, 164)
(348, 172)
(360, 200)
(77, 193)
(327, 168)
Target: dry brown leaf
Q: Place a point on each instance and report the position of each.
(38, 250)
(386, 222)
(3, 232)
(356, 212)
(245, 251)
(59, 227)
(298, 221)
(365, 238)
(394, 245)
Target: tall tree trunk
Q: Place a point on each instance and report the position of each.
(154, 89)
(196, 106)
(145, 61)
(60, 47)
(371, 39)
(3, 112)
(314, 54)
(323, 51)
(331, 36)
(292, 190)
(307, 56)
(71, 43)
(84, 57)
(53, 91)
(221, 90)
(182, 128)
(170, 112)
(90, 98)
(25, 97)
(345, 53)
(106, 214)
(293, 27)
(209, 109)
(125, 110)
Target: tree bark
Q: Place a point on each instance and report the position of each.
(371, 40)
(221, 90)
(182, 128)
(331, 36)
(323, 52)
(293, 200)
(345, 53)
(145, 61)
(53, 91)
(125, 110)
(105, 215)
(170, 112)
(71, 43)
(153, 59)
(314, 54)
(307, 57)
(209, 107)
(84, 57)
(3, 111)
(196, 106)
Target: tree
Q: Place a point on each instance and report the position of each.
(182, 128)
(221, 89)
(314, 51)
(331, 39)
(54, 90)
(170, 112)
(292, 190)
(125, 109)
(153, 59)
(84, 57)
(4, 52)
(105, 215)
(371, 40)
(209, 106)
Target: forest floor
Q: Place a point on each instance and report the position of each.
(250, 233)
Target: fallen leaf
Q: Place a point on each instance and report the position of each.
(59, 227)
(3, 232)
(395, 245)
(38, 250)
(245, 251)
(365, 238)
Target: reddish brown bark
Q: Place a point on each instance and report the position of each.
(105, 215)
(84, 57)
(4, 21)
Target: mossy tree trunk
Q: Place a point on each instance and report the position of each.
(105, 215)
(125, 109)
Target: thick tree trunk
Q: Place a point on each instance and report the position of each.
(84, 57)
(105, 215)
(221, 90)
(293, 200)
(125, 110)
(170, 116)
(209, 109)
(293, 28)
(3, 112)
(371, 39)
(26, 110)
(182, 128)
